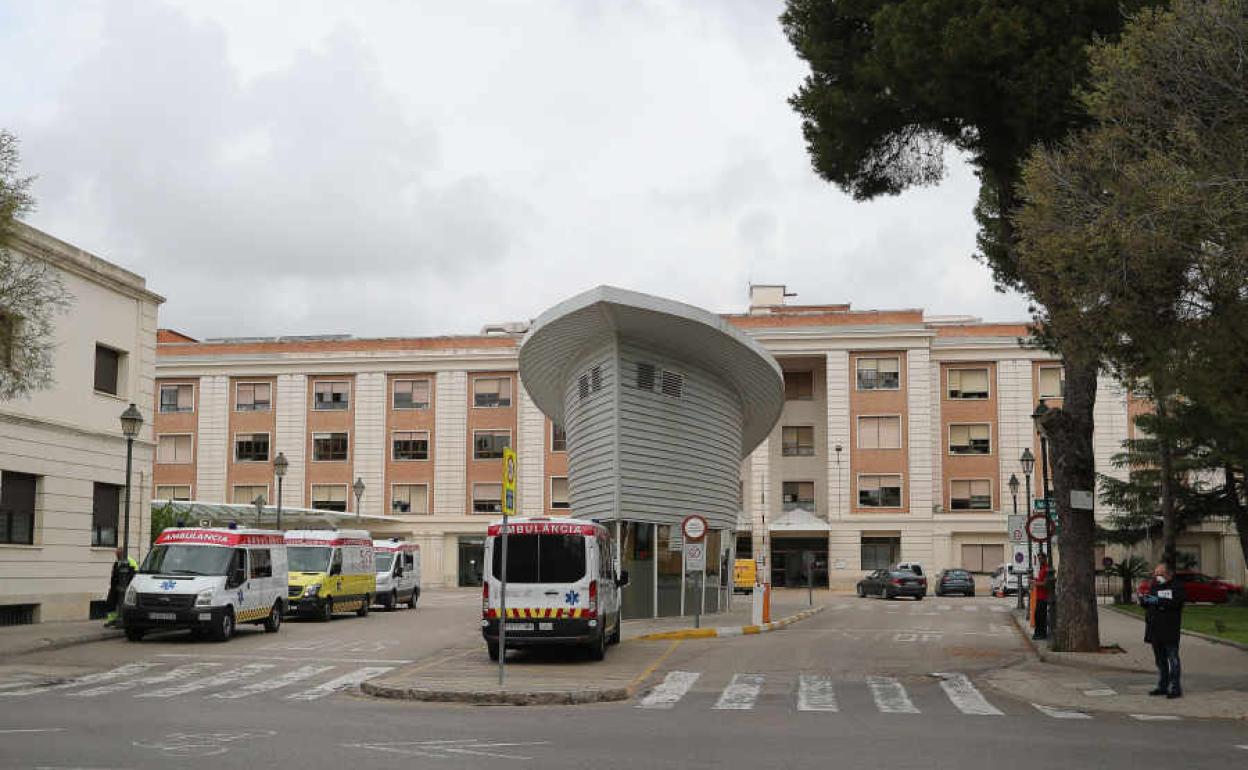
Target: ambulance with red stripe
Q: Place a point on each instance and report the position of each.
(208, 580)
(331, 571)
(563, 585)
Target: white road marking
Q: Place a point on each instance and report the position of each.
(1057, 713)
(445, 749)
(34, 730)
(944, 606)
(965, 697)
(285, 680)
(341, 683)
(669, 691)
(175, 675)
(218, 680)
(1156, 717)
(999, 608)
(1102, 693)
(890, 696)
(130, 669)
(184, 745)
(815, 693)
(969, 608)
(1243, 746)
(741, 693)
(294, 658)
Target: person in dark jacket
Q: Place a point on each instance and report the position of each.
(1163, 619)
(123, 570)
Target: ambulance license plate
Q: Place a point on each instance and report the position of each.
(518, 626)
(162, 616)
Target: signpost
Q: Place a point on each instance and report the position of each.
(1040, 527)
(509, 508)
(694, 530)
(1017, 525)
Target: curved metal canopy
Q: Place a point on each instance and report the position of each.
(559, 336)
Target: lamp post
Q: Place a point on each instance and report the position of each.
(1041, 410)
(280, 464)
(1013, 484)
(131, 422)
(358, 488)
(1028, 463)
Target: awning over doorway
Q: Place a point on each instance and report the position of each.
(799, 520)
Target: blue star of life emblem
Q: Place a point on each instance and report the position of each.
(240, 596)
(168, 585)
(571, 597)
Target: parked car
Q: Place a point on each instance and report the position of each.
(1006, 579)
(916, 568)
(891, 583)
(1199, 587)
(955, 581)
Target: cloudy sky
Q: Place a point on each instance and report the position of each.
(392, 168)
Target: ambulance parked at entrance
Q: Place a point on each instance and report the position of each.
(398, 573)
(331, 570)
(208, 580)
(563, 587)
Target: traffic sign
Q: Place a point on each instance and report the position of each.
(1017, 526)
(509, 482)
(695, 556)
(1040, 527)
(693, 527)
(1040, 504)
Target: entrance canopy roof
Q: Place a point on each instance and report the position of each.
(558, 337)
(194, 512)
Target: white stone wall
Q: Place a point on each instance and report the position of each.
(760, 492)
(1014, 427)
(919, 395)
(292, 437)
(1109, 416)
(838, 477)
(531, 448)
(371, 443)
(451, 444)
(213, 442)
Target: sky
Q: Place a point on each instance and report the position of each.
(386, 168)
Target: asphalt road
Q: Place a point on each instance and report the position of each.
(851, 687)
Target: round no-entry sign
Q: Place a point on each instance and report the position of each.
(1040, 527)
(693, 527)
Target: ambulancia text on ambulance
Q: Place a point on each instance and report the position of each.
(563, 586)
(331, 570)
(208, 580)
(398, 573)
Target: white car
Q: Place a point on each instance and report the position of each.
(1006, 580)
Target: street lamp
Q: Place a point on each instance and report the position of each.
(1041, 410)
(1013, 484)
(1028, 462)
(131, 423)
(280, 464)
(358, 487)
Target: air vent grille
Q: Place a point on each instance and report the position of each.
(595, 378)
(582, 386)
(645, 376)
(673, 384)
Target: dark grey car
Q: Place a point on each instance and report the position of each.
(955, 581)
(892, 583)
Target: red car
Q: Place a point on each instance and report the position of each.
(1199, 588)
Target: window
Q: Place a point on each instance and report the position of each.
(105, 512)
(246, 494)
(173, 493)
(411, 394)
(797, 441)
(329, 497)
(559, 492)
(8, 334)
(329, 447)
(251, 447)
(489, 444)
(174, 449)
(970, 495)
(409, 498)
(970, 439)
(261, 563)
(799, 386)
(1052, 382)
(17, 508)
(410, 445)
(968, 383)
(879, 491)
(798, 494)
(491, 392)
(331, 396)
(558, 438)
(879, 433)
(880, 552)
(487, 498)
(107, 369)
(177, 398)
(542, 559)
(879, 373)
(253, 397)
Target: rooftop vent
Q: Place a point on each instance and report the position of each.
(510, 328)
(764, 296)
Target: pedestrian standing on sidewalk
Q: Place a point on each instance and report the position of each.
(123, 570)
(1042, 600)
(1163, 619)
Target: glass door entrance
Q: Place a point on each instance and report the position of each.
(471, 560)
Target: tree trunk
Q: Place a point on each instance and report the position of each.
(1069, 431)
(1238, 512)
(1169, 527)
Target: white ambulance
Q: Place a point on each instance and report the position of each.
(331, 570)
(208, 580)
(563, 586)
(398, 573)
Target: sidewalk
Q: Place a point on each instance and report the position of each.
(1215, 676)
(37, 637)
(784, 603)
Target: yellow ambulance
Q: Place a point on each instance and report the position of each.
(330, 570)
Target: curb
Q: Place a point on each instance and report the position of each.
(726, 631)
(1021, 627)
(483, 697)
(47, 645)
(1185, 632)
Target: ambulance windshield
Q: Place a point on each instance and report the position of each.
(384, 560)
(301, 558)
(541, 558)
(186, 560)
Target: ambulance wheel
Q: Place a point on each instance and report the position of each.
(615, 635)
(225, 627)
(415, 596)
(598, 647)
(327, 610)
(363, 610)
(274, 620)
(134, 634)
(492, 648)
(392, 603)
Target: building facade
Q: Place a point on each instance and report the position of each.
(62, 452)
(897, 439)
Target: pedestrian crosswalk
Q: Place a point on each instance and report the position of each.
(160, 681)
(941, 692)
